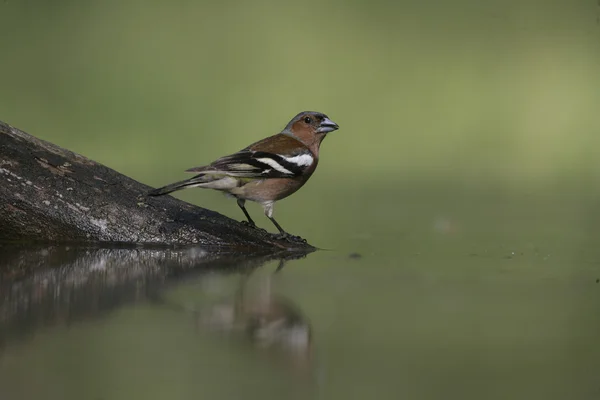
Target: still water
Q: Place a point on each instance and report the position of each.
(467, 296)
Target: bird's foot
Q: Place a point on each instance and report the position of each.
(290, 238)
(253, 225)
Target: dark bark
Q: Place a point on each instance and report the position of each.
(48, 193)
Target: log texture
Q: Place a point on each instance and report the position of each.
(48, 193)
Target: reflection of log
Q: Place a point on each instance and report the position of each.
(58, 284)
(49, 193)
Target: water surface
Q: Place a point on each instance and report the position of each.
(471, 295)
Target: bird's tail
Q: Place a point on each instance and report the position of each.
(177, 186)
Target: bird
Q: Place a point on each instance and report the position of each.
(266, 171)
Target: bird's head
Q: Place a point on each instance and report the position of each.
(310, 127)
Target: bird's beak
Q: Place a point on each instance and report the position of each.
(326, 126)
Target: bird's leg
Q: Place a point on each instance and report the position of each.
(281, 231)
(241, 203)
(268, 207)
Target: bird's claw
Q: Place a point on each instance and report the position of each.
(290, 238)
(253, 226)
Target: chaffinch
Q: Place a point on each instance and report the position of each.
(268, 170)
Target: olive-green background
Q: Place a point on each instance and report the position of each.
(485, 91)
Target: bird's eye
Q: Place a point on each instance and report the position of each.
(308, 120)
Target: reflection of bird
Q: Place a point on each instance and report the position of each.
(268, 170)
(270, 322)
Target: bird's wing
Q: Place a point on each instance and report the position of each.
(279, 156)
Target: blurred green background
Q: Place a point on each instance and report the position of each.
(501, 93)
(465, 174)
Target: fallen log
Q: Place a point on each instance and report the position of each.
(48, 193)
